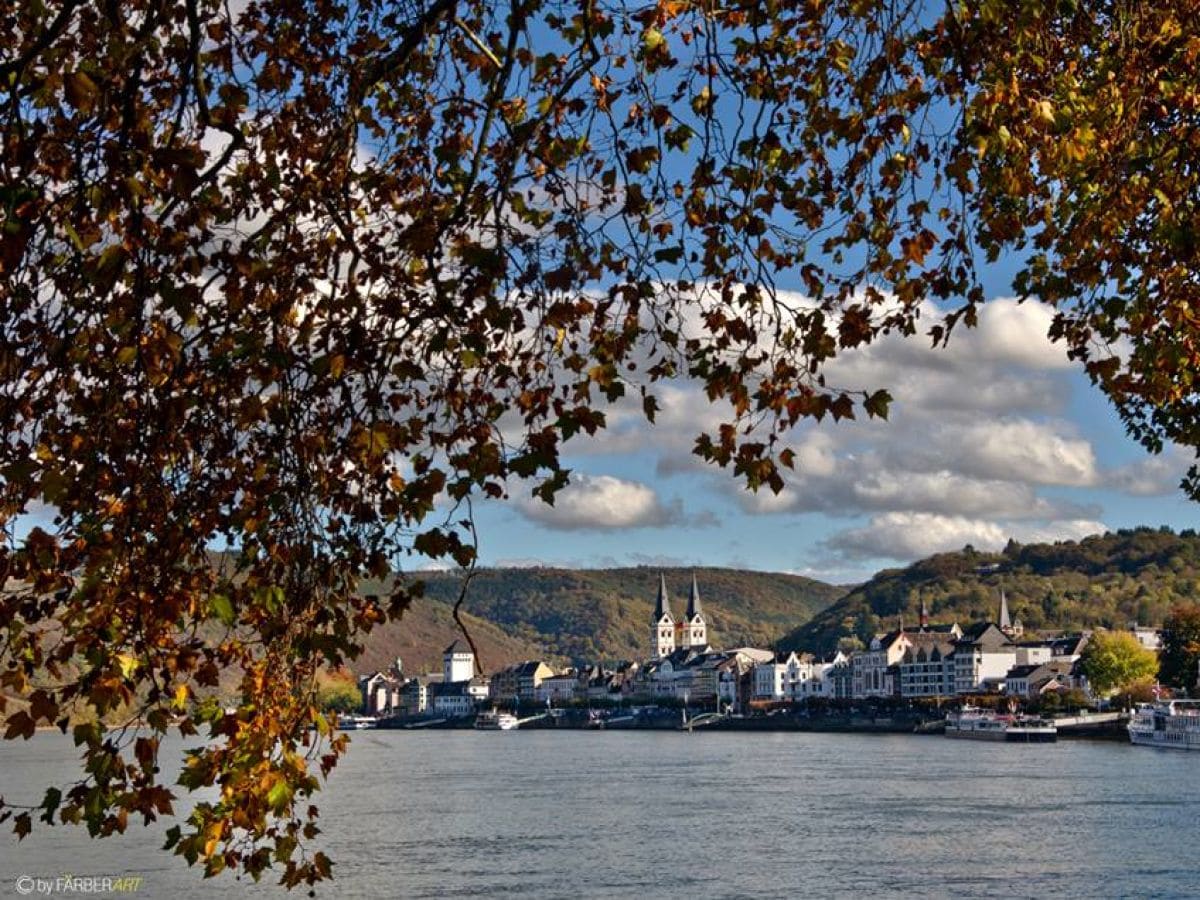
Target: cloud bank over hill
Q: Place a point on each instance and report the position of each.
(984, 442)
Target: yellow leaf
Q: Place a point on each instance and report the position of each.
(128, 664)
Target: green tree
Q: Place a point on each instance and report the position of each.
(1181, 647)
(339, 695)
(1113, 660)
(294, 277)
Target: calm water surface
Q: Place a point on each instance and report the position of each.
(662, 814)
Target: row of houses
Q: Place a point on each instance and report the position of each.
(931, 662)
(697, 675)
(935, 661)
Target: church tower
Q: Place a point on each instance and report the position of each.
(1002, 618)
(694, 633)
(662, 627)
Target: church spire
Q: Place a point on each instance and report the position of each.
(1005, 621)
(663, 605)
(693, 606)
(924, 615)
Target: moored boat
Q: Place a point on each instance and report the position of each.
(492, 720)
(357, 723)
(984, 725)
(1168, 723)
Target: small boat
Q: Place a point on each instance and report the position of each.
(357, 723)
(1168, 723)
(976, 724)
(496, 721)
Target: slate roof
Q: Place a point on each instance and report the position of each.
(693, 606)
(985, 635)
(662, 606)
(1004, 620)
(1022, 671)
(453, 689)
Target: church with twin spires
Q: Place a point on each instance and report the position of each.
(667, 635)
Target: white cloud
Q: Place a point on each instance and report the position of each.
(907, 536)
(521, 562)
(602, 502)
(1012, 450)
(978, 429)
(1150, 477)
(1011, 333)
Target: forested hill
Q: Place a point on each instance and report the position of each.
(1109, 580)
(589, 614)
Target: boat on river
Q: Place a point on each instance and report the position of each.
(357, 723)
(492, 720)
(1168, 723)
(976, 724)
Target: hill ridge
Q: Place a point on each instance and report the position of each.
(1105, 580)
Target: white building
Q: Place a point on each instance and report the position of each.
(813, 676)
(381, 690)
(795, 677)
(453, 700)
(927, 669)
(872, 671)
(1034, 654)
(983, 655)
(559, 688)
(770, 678)
(458, 663)
(416, 696)
(1150, 638)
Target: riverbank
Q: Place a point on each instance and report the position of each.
(1095, 727)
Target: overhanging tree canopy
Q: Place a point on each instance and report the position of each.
(282, 276)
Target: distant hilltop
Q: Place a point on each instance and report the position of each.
(1110, 581)
(581, 615)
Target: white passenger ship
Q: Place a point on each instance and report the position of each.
(496, 721)
(983, 725)
(1169, 723)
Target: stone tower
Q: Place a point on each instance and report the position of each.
(694, 630)
(662, 626)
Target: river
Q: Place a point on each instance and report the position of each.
(662, 814)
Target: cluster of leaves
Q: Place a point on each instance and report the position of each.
(338, 693)
(1115, 660)
(1104, 581)
(287, 275)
